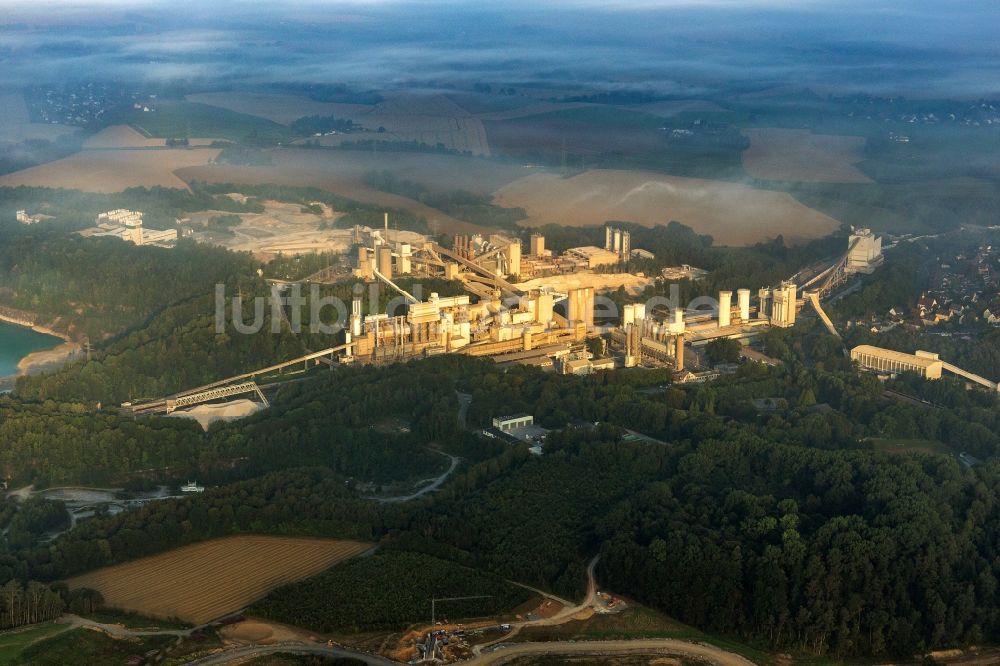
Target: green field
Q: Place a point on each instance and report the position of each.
(176, 120)
(599, 115)
(930, 446)
(13, 643)
(85, 646)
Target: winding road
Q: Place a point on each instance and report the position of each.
(436, 483)
(503, 650)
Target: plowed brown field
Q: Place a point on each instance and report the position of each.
(203, 581)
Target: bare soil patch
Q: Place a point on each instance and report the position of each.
(733, 214)
(801, 156)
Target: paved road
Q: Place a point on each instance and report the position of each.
(712, 654)
(437, 483)
(502, 650)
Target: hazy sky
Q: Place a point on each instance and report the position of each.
(666, 45)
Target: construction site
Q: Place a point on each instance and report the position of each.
(539, 326)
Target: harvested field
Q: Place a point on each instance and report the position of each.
(16, 125)
(112, 170)
(125, 136)
(801, 156)
(203, 581)
(121, 136)
(731, 213)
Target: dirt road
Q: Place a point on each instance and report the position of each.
(506, 652)
(245, 654)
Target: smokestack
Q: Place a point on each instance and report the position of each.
(387, 227)
(679, 353)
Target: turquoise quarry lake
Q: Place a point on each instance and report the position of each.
(16, 342)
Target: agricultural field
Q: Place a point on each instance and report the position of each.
(187, 119)
(279, 108)
(581, 136)
(112, 170)
(733, 214)
(800, 155)
(125, 136)
(203, 581)
(121, 136)
(425, 118)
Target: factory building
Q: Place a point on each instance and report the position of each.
(591, 256)
(127, 225)
(926, 364)
(508, 423)
(538, 246)
(864, 253)
(618, 241)
(580, 306)
(384, 261)
(23, 217)
(783, 304)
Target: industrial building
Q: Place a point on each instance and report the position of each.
(783, 305)
(864, 252)
(591, 256)
(127, 225)
(889, 361)
(927, 364)
(23, 217)
(508, 423)
(618, 241)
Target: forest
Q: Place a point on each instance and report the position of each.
(343, 599)
(101, 287)
(789, 526)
